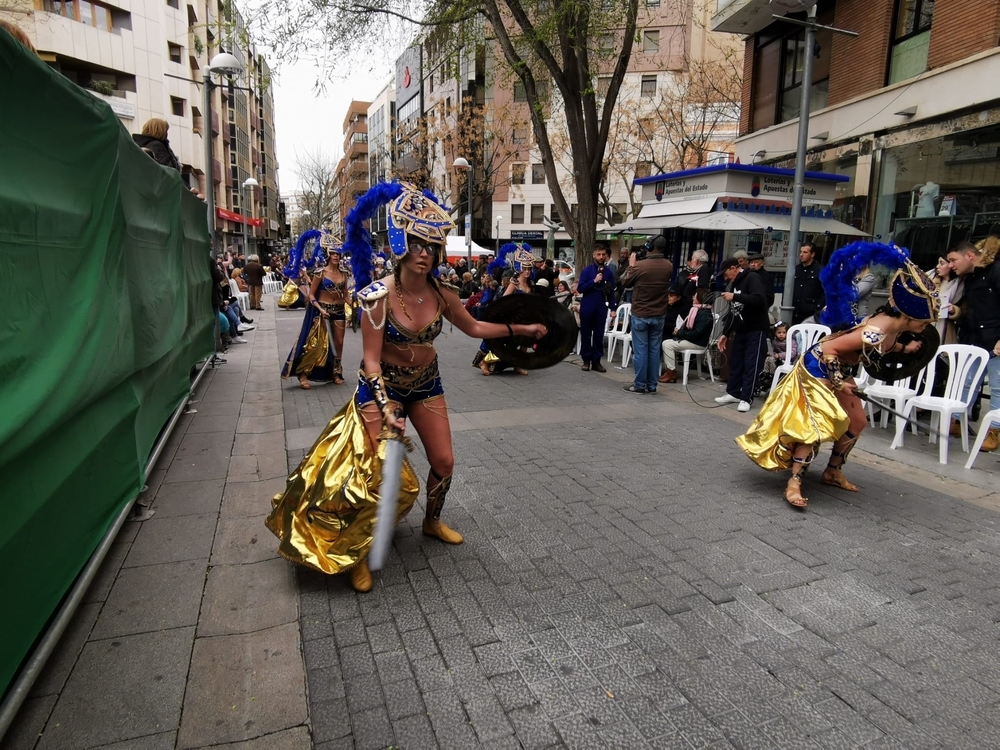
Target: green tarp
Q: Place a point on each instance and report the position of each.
(104, 308)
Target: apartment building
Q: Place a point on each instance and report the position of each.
(352, 171)
(909, 110)
(144, 58)
(381, 150)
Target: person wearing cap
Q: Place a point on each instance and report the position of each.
(649, 280)
(816, 403)
(756, 262)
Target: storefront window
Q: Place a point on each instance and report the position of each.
(930, 191)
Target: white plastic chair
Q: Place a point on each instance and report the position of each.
(272, 285)
(965, 365)
(619, 329)
(805, 336)
(690, 354)
(242, 297)
(895, 393)
(988, 420)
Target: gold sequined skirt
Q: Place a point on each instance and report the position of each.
(289, 294)
(326, 516)
(802, 410)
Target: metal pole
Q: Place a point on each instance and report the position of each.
(468, 238)
(32, 669)
(206, 86)
(794, 240)
(246, 242)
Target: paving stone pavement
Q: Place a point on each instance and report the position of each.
(629, 579)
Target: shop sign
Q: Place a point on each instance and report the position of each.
(520, 234)
(238, 218)
(274, 225)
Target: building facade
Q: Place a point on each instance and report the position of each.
(352, 171)
(909, 110)
(144, 58)
(381, 150)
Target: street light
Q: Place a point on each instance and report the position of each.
(466, 165)
(227, 65)
(250, 183)
(497, 235)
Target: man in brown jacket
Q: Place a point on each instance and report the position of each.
(649, 280)
(253, 272)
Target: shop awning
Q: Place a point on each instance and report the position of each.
(733, 221)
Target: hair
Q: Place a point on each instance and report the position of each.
(729, 263)
(740, 254)
(889, 310)
(254, 258)
(563, 284)
(18, 33)
(810, 245)
(466, 276)
(700, 255)
(966, 247)
(701, 295)
(156, 128)
(601, 249)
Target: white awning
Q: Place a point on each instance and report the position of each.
(733, 221)
(678, 207)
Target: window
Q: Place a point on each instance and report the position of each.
(648, 86)
(84, 11)
(520, 95)
(603, 84)
(537, 212)
(792, 68)
(537, 174)
(652, 3)
(174, 51)
(911, 39)
(651, 41)
(174, 4)
(520, 134)
(617, 213)
(554, 214)
(517, 174)
(176, 106)
(606, 44)
(516, 213)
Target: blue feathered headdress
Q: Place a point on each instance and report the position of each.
(359, 240)
(296, 258)
(909, 292)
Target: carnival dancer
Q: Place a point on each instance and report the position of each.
(312, 357)
(816, 402)
(325, 517)
(519, 260)
(597, 287)
(329, 290)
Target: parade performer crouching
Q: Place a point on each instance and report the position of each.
(325, 517)
(516, 259)
(816, 402)
(312, 356)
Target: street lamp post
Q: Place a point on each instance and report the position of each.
(497, 235)
(227, 65)
(247, 203)
(466, 165)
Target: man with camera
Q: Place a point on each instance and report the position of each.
(750, 324)
(597, 290)
(648, 276)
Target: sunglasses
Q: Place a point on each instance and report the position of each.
(417, 248)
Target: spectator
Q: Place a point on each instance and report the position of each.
(563, 295)
(231, 310)
(808, 296)
(756, 263)
(743, 258)
(950, 289)
(750, 324)
(597, 290)
(649, 279)
(253, 273)
(865, 284)
(677, 307)
(979, 323)
(444, 270)
(153, 140)
(779, 344)
(469, 286)
(218, 296)
(237, 275)
(693, 334)
(542, 288)
(697, 274)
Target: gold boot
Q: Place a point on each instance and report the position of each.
(361, 577)
(435, 501)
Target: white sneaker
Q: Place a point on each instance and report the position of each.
(239, 340)
(727, 399)
(245, 328)
(744, 406)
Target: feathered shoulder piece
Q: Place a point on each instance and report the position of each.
(373, 292)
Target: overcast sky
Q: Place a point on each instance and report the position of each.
(307, 121)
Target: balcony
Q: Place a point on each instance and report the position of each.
(744, 16)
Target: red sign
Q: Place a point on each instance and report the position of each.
(238, 218)
(407, 79)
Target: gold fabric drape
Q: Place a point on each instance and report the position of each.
(802, 409)
(326, 516)
(289, 294)
(316, 349)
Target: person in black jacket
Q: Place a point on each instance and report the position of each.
(756, 262)
(809, 297)
(153, 140)
(694, 334)
(697, 274)
(750, 323)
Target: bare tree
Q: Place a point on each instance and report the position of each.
(317, 174)
(557, 46)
